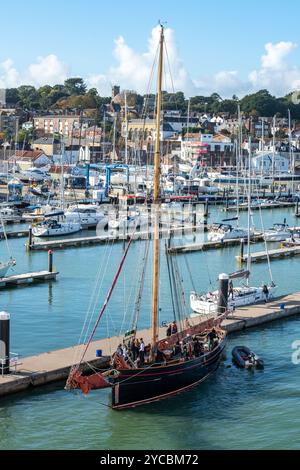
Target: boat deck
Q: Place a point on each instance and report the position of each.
(54, 366)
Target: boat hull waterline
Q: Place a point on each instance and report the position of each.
(143, 386)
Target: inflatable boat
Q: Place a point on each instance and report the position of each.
(245, 358)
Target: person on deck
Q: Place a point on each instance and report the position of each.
(197, 348)
(230, 289)
(212, 336)
(169, 330)
(142, 352)
(176, 349)
(266, 292)
(174, 328)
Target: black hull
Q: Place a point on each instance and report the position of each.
(140, 386)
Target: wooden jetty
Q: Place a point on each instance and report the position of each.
(15, 234)
(211, 245)
(254, 207)
(54, 366)
(27, 279)
(18, 280)
(277, 253)
(63, 243)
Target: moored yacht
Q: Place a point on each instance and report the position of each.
(223, 231)
(87, 216)
(278, 232)
(240, 296)
(53, 228)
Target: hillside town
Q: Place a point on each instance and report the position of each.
(37, 126)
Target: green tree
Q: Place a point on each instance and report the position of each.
(44, 94)
(12, 96)
(75, 86)
(28, 97)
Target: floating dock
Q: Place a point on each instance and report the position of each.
(211, 245)
(14, 234)
(279, 205)
(63, 243)
(18, 280)
(54, 366)
(277, 253)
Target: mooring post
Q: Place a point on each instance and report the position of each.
(30, 237)
(206, 208)
(4, 342)
(194, 221)
(242, 249)
(223, 293)
(50, 261)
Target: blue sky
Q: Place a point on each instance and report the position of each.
(211, 37)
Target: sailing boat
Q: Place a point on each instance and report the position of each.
(50, 226)
(173, 364)
(204, 304)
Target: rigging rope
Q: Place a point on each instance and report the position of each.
(107, 298)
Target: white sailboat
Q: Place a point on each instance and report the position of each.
(54, 228)
(204, 304)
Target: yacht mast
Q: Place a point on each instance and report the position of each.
(156, 195)
(249, 210)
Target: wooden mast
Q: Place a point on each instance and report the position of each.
(156, 196)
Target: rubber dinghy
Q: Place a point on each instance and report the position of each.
(246, 358)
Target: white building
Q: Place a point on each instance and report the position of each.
(262, 163)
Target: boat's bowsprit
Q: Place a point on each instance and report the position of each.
(87, 382)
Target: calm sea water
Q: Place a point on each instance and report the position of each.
(234, 409)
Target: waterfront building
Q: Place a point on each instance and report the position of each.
(63, 124)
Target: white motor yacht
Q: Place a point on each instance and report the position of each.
(222, 232)
(87, 216)
(278, 233)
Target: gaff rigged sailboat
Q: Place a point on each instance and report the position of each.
(173, 364)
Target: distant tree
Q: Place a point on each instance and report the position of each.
(12, 96)
(216, 97)
(58, 92)
(29, 97)
(262, 102)
(44, 94)
(75, 86)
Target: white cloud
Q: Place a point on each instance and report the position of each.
(9, 76)
(276, 74)
(276, 53)
(48, 70)
(132, 70)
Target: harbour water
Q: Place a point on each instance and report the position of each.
(235, 409)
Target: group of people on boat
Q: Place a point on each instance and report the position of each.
(135, 353)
